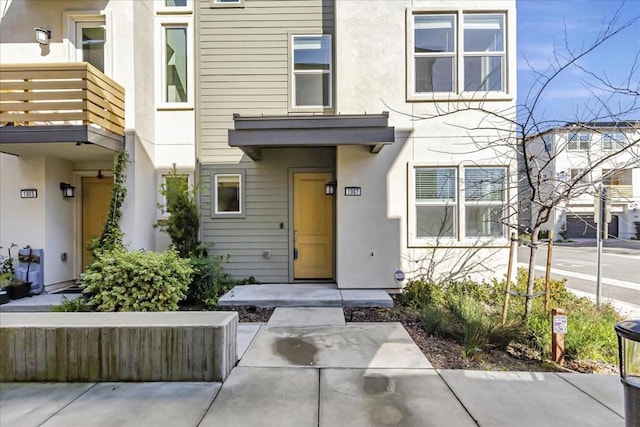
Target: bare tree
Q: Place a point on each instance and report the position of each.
(518, 133)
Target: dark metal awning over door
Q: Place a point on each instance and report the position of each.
(252, 134)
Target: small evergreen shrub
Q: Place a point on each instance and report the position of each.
(119, 280)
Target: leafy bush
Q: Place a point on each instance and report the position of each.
(74, 305)
(119, 280)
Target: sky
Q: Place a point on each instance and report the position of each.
(541, 27)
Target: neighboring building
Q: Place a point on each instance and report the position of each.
(591, 155)
(315, 126)
(299, 99)
(62, 121)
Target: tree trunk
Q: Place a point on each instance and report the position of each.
(533, 253)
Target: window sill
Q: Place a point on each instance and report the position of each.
(229, 216)
(176, 107)
(469, 243)
(465, 96)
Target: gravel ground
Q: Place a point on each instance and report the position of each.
(444, 353)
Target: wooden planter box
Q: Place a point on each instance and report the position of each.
(4, 296)
(19, 290)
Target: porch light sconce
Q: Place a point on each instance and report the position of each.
(42, 35)
(68, 190)
(330, 188)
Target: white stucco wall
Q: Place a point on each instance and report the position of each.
(22, 220)
(60, 223)
(370, 66)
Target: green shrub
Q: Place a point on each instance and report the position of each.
(119, 280)
(590, 334)
(420, 293)
(470, 322)
(74, 305)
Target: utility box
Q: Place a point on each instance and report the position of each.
(31, 268)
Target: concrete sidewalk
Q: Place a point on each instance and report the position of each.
(321, 371)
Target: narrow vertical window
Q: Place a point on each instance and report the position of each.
(228, 194)
(92, 39)
(484, 52)
(175, 64)
(312, 71)
(435, 199)
(434, 53)
(484, 196)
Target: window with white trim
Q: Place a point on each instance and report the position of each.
(484, 198)
(579, 175)
(311, 64)
(439, 67)
(579, 141)
(435, 202)
(175, 74)
(91, 39)
(456, 203)
(613, 141)
(227, 194)
(171, 183)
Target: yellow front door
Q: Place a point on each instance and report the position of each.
(96, 196)
(313, 227)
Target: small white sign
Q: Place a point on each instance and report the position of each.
(352, 191)
(28, 193)
(560, 324)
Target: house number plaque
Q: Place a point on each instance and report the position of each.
(352, 191)
(28, 193)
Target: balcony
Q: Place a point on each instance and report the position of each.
(45, 106)
(620, 191)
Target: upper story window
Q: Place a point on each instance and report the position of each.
(547, 140)
(175, 72)
(580, 175)
(579, 141)
(91, 41)
(312, 59)
(165, 7)
(613, 141)
(440, 67)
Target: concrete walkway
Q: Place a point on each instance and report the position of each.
(310, 368)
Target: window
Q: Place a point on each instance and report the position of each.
(90, 43)
(456, 203)
(484, 196)
(175, 64)
(547, 140)
(228, 194)
(434, 52)
(435, 198)
(175, 3)
(173, 7)
(312, 71)
(171, 184)
(613, 141)
(579, 175)
(226, 3)
(438, 67)
(579, 140)
(484, 53)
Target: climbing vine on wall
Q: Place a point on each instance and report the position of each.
(112, 236)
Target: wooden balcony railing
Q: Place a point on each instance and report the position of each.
(620, 191)
(60, 94)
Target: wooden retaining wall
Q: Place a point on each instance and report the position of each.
(167, 346)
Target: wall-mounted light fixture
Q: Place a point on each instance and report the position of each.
(68, 190)
(42, 35)
(330, 188)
